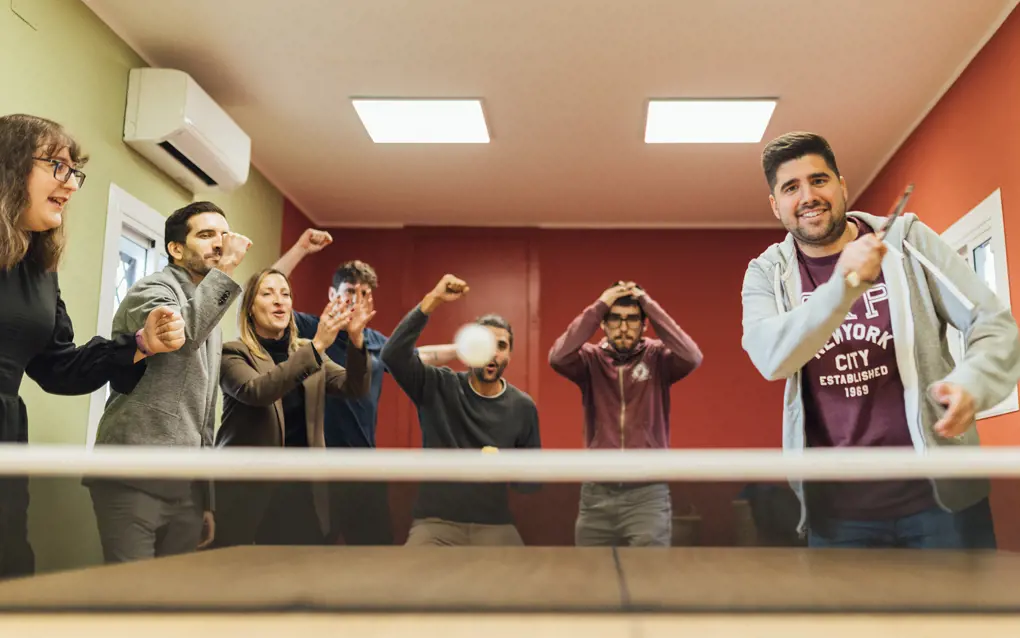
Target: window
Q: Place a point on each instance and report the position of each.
(980, 238)
(133, 248)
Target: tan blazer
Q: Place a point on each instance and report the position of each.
(253, 391)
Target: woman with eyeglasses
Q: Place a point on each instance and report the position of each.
(40, 171)
(274, 395)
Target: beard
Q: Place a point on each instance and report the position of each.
(483, 376)
(622, 347)
(199, 264)
(821, 235)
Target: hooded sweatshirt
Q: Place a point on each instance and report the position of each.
(625, 394)
(927, 287)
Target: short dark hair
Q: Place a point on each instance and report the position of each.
(792, 146)
(497, 321)
(627, 300)
(176, 228)
(355, 272)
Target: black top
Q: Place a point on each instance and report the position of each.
(36, 337)
(453, 415)
(294, 425)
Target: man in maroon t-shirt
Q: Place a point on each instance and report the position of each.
(851, 389)
(853, 397)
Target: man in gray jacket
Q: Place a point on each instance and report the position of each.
(174, 401)
(853, 316)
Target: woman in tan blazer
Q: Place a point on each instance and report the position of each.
(274, 388)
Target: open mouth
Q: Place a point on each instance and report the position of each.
(811, 214)
(58, 202)
(492, 368)
(279, 314)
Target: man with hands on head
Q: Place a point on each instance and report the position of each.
(852, 314)
(478, 410)
(173, 402)
(359, 509)
(625, 381)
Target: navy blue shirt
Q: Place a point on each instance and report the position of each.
(349, 422)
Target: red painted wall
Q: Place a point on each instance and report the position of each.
(968, 146)
(539, 280)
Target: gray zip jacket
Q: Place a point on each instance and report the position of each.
(930, 287)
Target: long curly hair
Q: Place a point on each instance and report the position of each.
(23, 137)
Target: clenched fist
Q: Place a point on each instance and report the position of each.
(861, 260)
(312, 241)
(449, 288)
(234, 248)
(163, 330)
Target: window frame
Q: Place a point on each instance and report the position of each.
(983, 224)
(126, 215)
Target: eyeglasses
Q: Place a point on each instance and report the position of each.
(614, 320)
(62, 171)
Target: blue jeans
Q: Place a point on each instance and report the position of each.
(931, 529)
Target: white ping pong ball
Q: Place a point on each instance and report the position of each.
(476, 345)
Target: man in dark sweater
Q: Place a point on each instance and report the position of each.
(462, 410)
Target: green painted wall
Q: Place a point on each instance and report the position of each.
(68, 66)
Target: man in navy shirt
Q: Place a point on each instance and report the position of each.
(359, 511)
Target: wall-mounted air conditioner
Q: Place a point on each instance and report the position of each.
(176, 125)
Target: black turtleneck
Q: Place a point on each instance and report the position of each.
(294, 426)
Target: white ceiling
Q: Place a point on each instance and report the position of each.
(564, 84)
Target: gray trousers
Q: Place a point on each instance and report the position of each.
(621, 514)
(135, 525)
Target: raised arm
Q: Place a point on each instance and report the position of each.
(65, 369)
(356, 378)
(682, 354)
(438, 355)
(311, 241)
(780, 342)
(414, 377)
(565, 354)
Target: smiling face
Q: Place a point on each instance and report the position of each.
(272, 307)
(51, 184)
(810, 200)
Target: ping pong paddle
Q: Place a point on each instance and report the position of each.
(853, 279)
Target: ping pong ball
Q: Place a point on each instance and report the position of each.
(488, 449)
(476, 345)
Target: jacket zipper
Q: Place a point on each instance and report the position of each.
(623, 408)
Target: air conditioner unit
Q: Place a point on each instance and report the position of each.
(176, 125)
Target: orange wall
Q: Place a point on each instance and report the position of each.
(540, 280)
(968, 146)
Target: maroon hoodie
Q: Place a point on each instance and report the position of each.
(625, 395)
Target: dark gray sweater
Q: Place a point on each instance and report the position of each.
(453, 415)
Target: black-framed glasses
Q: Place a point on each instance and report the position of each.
(63, 171)
(614, 320)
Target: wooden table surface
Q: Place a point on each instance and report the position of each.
(563, 580)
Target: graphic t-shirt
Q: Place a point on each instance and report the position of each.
(853, 397)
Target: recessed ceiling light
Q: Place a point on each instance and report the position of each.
(405, 121)
(707, 121)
